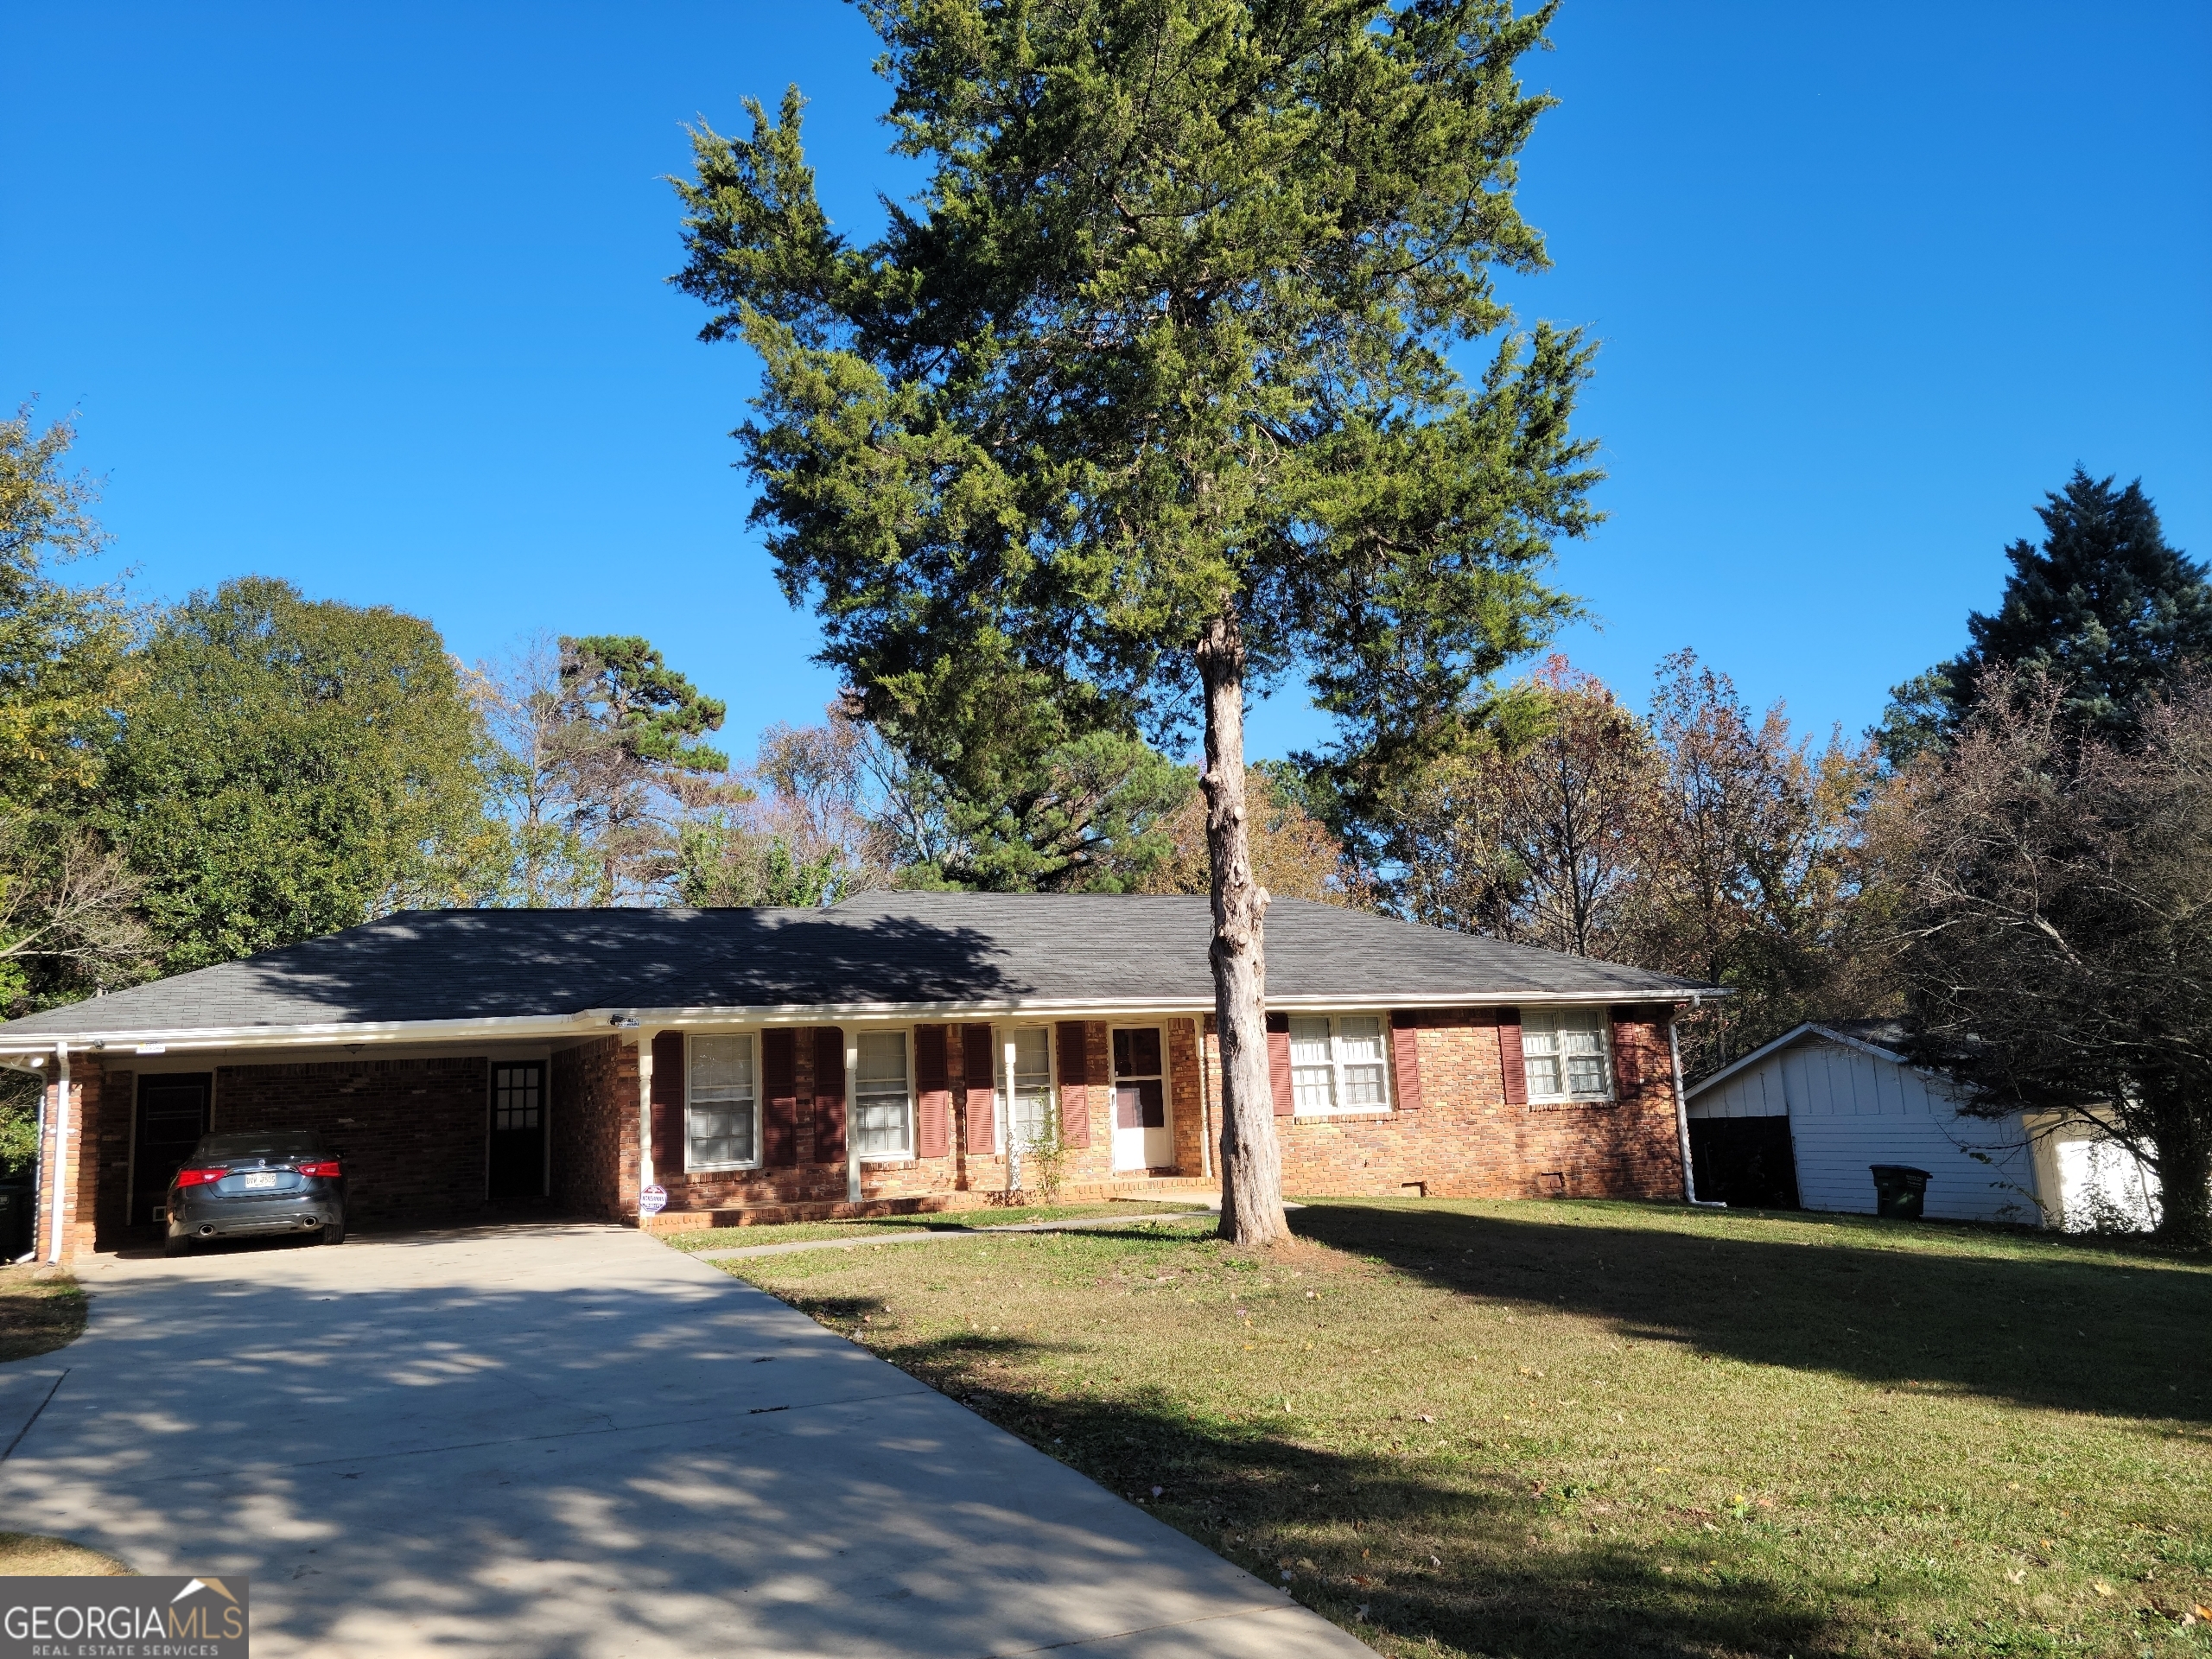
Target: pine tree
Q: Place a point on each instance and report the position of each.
(2104, 608)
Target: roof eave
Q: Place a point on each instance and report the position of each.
(587, 1021)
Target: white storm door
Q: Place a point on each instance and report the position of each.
(1144, 1137)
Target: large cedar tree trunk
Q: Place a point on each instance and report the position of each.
(1251, 1161)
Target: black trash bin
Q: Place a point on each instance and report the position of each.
(14, 1220)
(1899, 1191)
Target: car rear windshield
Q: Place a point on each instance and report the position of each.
(286, 1143)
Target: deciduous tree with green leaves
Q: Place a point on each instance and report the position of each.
(291, 766)
(68, 917)
(1148, 399)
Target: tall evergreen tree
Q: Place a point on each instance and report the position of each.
(1149, 395)
(2104, 608)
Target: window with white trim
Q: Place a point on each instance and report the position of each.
(721, 1112)
(1031, 1113)
(1337, 1063)
(1566, 1054)
(883, 1105)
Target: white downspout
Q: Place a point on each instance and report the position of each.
(1682, 1125)
(61, 1185)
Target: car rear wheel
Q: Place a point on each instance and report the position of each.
(334, 1232)
(176, 1246)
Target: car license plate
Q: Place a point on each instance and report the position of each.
(259, 1183)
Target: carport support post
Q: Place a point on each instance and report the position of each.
(645, 1118)
(57, 1186)
(852, 1116)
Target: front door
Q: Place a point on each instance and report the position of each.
(519, 1130)
(172, 1116)
(1142, 1138)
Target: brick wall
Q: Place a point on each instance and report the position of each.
(959, 1170)
(413, 1132)
(592, 1095)
(1465, 1141)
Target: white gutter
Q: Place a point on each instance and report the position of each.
(60, 1187)
(589, 1021)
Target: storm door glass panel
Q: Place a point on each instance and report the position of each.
(879, 1096)
(722, 1127)
(1311, 1073)
(1359, 1060)
(1140, 1085)
(1031, 1113)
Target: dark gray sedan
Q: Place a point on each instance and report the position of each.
(277, 1182)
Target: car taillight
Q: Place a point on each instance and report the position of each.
(325, 1169)
(199, 1177)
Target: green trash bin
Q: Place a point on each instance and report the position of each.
(14, 1220)
(1899, 1191)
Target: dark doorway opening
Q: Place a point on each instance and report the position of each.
(172, 1116)
(519, 1130)
(1744, 1161)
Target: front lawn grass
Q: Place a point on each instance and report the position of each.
(40, 1309)
(939, 1221)
(1587, 1428)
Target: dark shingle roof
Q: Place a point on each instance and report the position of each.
(878, 949)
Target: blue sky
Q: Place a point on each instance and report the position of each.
(371, 298)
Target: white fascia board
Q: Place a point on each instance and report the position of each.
(600, 1021)
(1067, 1008)
(175, 1039)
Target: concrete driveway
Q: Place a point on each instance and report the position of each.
(573, 1440)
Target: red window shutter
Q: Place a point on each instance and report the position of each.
(828, 1095)
(1626, 1053)
(932, 1092)
(1279, 1063)
(779, 1085)
(1075, 1084)
(668, 1106)
(1510, 1065)
(1405, 1059)
(978, 1062)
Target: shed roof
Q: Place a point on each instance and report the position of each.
(877, 950)
(1878, 1037)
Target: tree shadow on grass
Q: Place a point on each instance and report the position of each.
(1385, 1545)
(2060, 1328)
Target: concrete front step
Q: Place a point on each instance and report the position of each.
(1162, 1188)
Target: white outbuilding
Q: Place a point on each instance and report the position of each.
(1805, 1121)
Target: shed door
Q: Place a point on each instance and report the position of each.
(519, 1130)
(172, 1116)
(1746, 1162)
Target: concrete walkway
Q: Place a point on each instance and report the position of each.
(570, 1441)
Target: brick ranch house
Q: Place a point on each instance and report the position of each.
(760, 1065)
